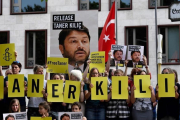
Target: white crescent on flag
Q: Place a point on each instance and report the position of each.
(111, 21)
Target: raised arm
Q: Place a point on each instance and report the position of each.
(157, 96)
(153, 98)
(82, 92)
(16, 55)
(146, 66)
(86, 71)
(125, 71)
(176, 92)
(46, 75)
(108, 62)
(133, 99)
(129, 97)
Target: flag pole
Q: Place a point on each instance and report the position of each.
(116, 27)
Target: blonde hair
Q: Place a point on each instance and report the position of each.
(12, 102)
(37, 67)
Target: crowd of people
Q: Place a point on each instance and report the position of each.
(110, 109)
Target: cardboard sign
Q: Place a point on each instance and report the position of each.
(16, 116)
(72, 91)
(166, 83)
(35, 85)
(118, 55)
(16, 85)
(57, 65)
(135, 55)
(142, 83)
(98, 61)
(99, 90)
(70, 115)
(120, 87)
(55, 90)
(40, 118)
(7, 55)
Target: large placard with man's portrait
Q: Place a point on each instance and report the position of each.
(73, 35)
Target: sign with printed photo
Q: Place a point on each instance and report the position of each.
(15, 116)
(73, 35)
(118, 55)
(70, 115)
(135, 55)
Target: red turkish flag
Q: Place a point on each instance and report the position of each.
(107, 35)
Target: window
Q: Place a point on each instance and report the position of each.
(4, 35)
(122, 4)
(28, 6)
(36, 47)
(99, 31)
(170, 46)
(161, 3)
(90, 5)
(137, 35)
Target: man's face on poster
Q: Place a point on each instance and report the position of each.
(76, 47)
(10, 118)
(118, 55)
(136, 56)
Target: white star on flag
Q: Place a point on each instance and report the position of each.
(106, 38)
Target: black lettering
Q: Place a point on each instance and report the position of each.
(72, 91)
(16, 85)
(35, 86)
(119, 87)
(166, 85)
(54, 90)
(140, 84)
(98, 87)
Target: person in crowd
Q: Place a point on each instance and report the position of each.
(142, 107)
(76, 75)
(168, 107)
(76, 107)
(117, 109)
(10, 117)
(154, 107)
(58, 106)
(16, 69)
(44, 110)
(33, 104)
(95, 109)
(176, 80)
(14, 106)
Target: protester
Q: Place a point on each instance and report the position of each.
(14, 106)
(168, 107)
(76, 75)
(95, 109)
(116, 108)
(33, 103)
(44, 110)
(76, 107)
(58, 106)
(16, 69)
(142, 107)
